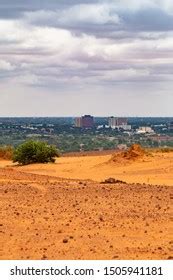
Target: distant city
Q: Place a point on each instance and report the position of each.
(88, 133)
(87, 121)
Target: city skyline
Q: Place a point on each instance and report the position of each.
(97, 57)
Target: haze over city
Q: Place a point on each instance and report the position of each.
(68, 58)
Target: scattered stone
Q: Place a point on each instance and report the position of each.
(65, 240)
(112, 181)
(115, 257)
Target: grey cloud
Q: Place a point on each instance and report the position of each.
(147, 20)
(124, 50)
(124, 24)
(53, 13)
(14, 9)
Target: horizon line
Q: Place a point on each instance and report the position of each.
(96, 116)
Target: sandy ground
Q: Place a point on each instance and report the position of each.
(45, 217)
(157, 169)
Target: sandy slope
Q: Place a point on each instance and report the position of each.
(45, 217)
(157, 169)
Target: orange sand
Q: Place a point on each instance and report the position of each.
(156, 169)
(45, 217)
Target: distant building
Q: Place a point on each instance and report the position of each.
(78, 122)
(125, 126)
(86, 121)
(171, 126)
(145, 129)
(118, 123)
(122, 121)
(112, 122)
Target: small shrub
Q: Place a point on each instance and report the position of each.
(6, 152)
(35, 152)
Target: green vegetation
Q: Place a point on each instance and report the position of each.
(34, 152)
(6, 152)
(61, 133)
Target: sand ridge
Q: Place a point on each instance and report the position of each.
(155, 169)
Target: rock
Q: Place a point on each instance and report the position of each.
(65, 240)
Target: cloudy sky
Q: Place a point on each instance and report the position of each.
(72, 57)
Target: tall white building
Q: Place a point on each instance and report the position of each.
(118, 123)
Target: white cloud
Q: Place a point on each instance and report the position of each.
(6, 66)
(12, 31)
(92, 13)
(78, 14)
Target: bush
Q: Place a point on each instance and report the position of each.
(6, 152)
(35, 152)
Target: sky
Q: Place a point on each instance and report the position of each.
(75, 57)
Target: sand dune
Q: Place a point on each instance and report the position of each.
(45, 217)
(156, 169)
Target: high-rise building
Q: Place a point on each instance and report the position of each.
(122, 121)
(118, 122)
(85, 121)
(78, 122)
(112, 122)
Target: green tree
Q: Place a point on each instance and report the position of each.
(35, 152)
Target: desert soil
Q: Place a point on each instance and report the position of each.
(44, 216)
(155, 169)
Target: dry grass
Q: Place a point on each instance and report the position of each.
(164, 150)
(6, 152)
